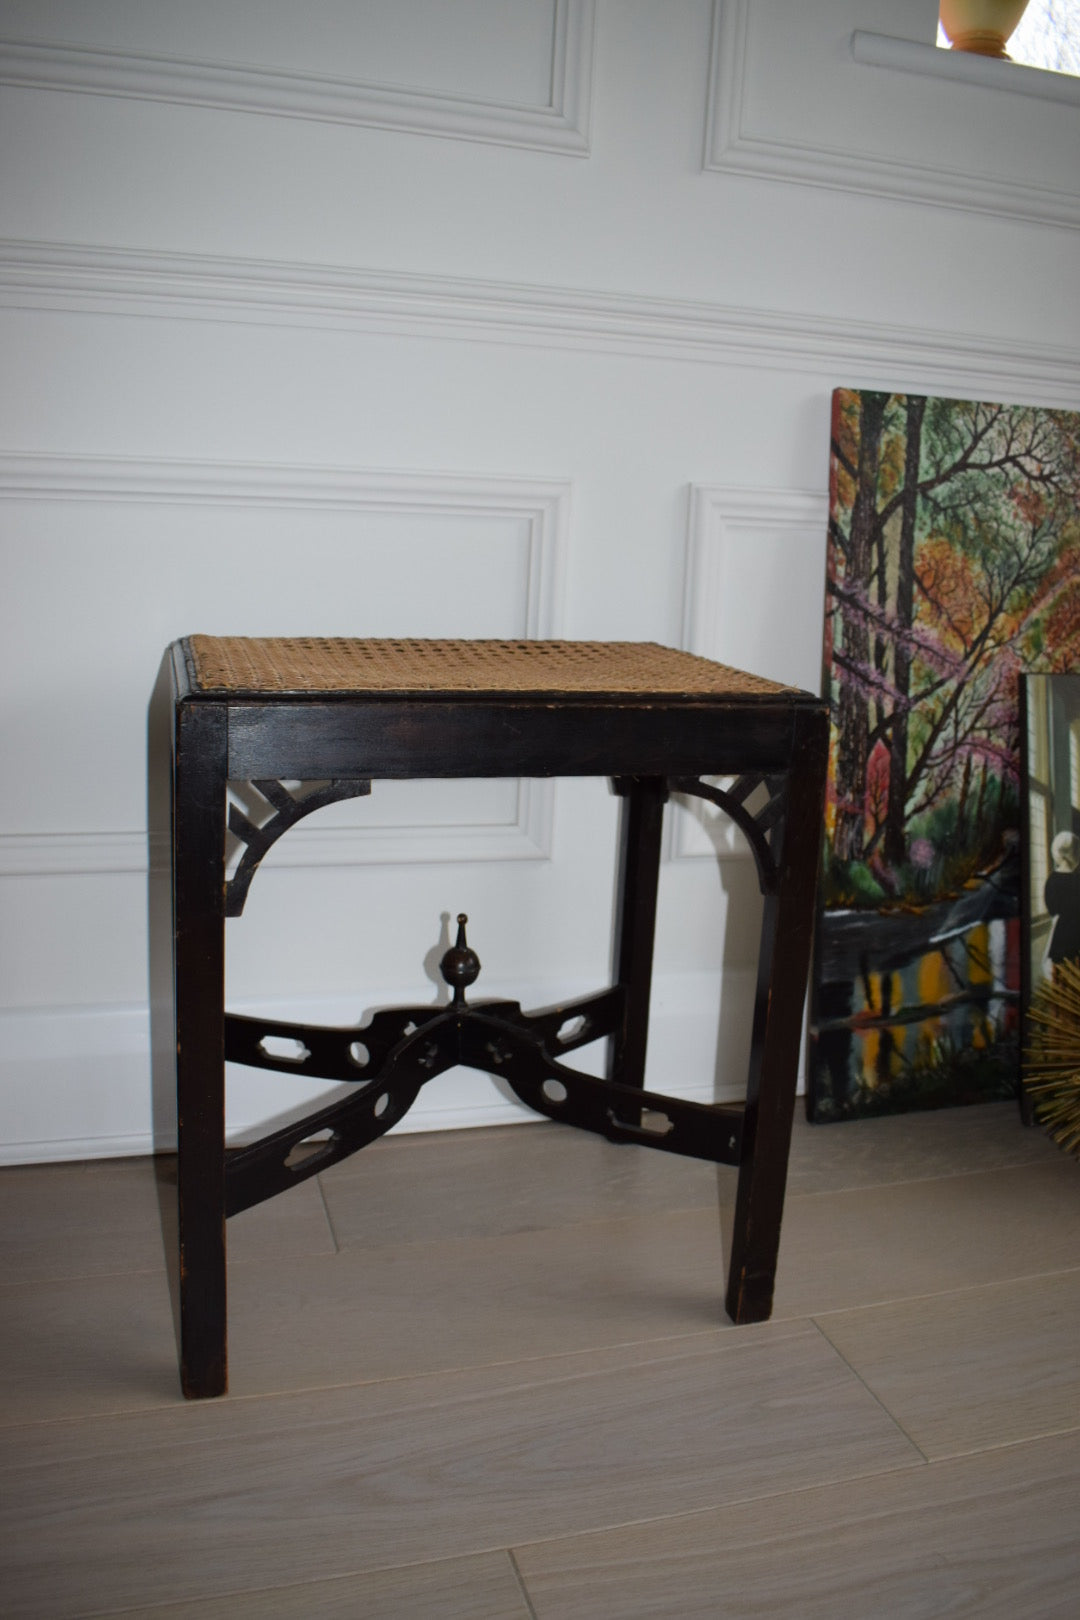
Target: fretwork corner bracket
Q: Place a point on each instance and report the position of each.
(287, 808)
(762, 828)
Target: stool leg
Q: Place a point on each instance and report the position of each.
(199, 977)
(783, 965)
(640, 827)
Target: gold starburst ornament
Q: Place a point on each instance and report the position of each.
(1052, 1059)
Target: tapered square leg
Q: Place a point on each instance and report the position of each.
(640, 826)
(198, 873)
(783, 967)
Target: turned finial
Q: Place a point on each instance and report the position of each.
(460, 965)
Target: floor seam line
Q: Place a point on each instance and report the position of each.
(335, 1240)
(944, 1293)
(521, 1584)
(874, 1396)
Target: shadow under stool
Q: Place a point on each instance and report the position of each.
(336, 715)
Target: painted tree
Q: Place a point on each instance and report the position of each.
(954, 561)
(857, 546)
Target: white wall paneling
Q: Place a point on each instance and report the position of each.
(108, 558)
(755, 573)
(311, 327)
(490, 549)
(529, 86)
(793, 98)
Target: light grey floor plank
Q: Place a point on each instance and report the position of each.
(197, 1501)
(429, 1307)
(59, 1221)
(912, 1147)
(64, 1220)
(578, 1285)
(512, 1179)
(86, 1346)
(530, 1178)
(106, 1344)
(971, 1369)
(481, 1588)
(639, 1278)
(992, 1537)
(919, 1237)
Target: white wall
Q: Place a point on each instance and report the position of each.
(450, 317)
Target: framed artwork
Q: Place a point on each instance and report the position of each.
(1050, 820)
(953, 567)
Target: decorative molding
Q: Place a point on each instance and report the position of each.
(963, 67)
(526, 836)
(176, 286)
(280, 484)
(716, 514)
(67, 854)
(559, 125)
(75, 1081)
(541, 504)
(731, 147)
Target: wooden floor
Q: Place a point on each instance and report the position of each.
(487, 1374)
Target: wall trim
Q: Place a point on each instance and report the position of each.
(56, 854)
(34, 474)
(714, 509)
(542, 504)
(527, 836)
(559, 125)
(964, 67)
(177, 286)
(731, 148)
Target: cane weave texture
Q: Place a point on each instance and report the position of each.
(312, 664)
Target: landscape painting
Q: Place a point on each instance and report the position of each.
(953, 566)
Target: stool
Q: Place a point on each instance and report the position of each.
(341, 713)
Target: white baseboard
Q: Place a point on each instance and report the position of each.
(75, 1081)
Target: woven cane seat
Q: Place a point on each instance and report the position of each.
(284, 664)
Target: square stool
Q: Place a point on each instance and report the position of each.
(334, 716)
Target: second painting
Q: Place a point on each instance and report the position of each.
(954, 565)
